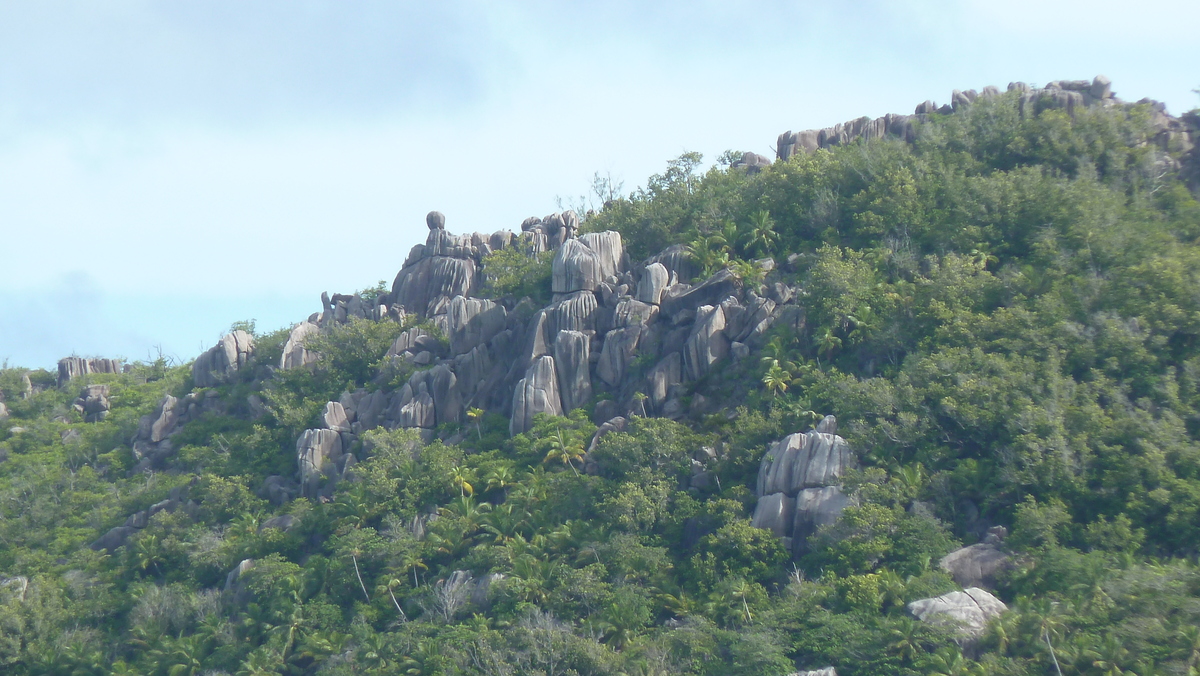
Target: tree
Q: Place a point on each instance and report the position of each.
(761, 236)
(568, 452)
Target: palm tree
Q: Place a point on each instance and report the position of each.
(640, 398)
(460, 475)
(475, 415)
(828, 343)
(761, 235)
(560, 449)
(412, 560)
(905, 640)
(776, 379)
(500, 477)
(390, 589)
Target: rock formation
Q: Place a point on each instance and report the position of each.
(978, 565)
(70, 368)
(228, 356)
(799, 483)
(93, 403)
(968, 610)
(295, 354)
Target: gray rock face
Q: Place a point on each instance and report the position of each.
(231, 580)
(976, 565)
(776, 513)
(827, 671)
(816, 507)
(333, 417)
(92, 403)
(630, 312)
(617, 352)
(436, 220)
(653, 282)
(711, 292)
(70, 368)
(283, 522)
(609, 249)
(798, 484)
(571, 361)
(968, 610)
(536, 393)
(575, 268)
(800, 461)
(113, 539)
(665, 375)
(419, 286)
(3, 411)
(164, 422)
(226, 357)
(470, 322)
(316, 452)
(294, 353)
(707, 344)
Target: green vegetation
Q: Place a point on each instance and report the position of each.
(1003, 316)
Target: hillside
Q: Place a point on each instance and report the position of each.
(919, 396)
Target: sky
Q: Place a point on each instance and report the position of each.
(169, 168)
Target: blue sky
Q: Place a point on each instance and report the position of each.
(168, 168)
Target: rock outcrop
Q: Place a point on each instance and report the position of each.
(536, 393)
(319, 456)
(228, 356)
(295, 354)
(978, 565)
(968, 610)
(1069, 95)
(799, 483)
(93, 403)
(70, 368)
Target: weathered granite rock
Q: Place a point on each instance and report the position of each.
(609, 250)
(630, 312)
(470, 322)
(231, 580)
(677, 262)
(707, 344)
(333, 417)
(163, 422)
(827, 671)
(294, 353)
(315, 449)
(976, 565)
(571, 361)
(283, 522)
(575, 312)
(70, 368)
(653, 282)
(419, 286)
(711, 292)
(536, 393)
(92, 403)
(3, 411)
(617, 352)
(776, 513)
(807, 460)
(228, 356)
(665, 375)
(113, 539)
(614, 424)
(816, 507)
(576, 267)
(436, 220)
(968, 610)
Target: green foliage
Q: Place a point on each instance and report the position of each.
(517, 272)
